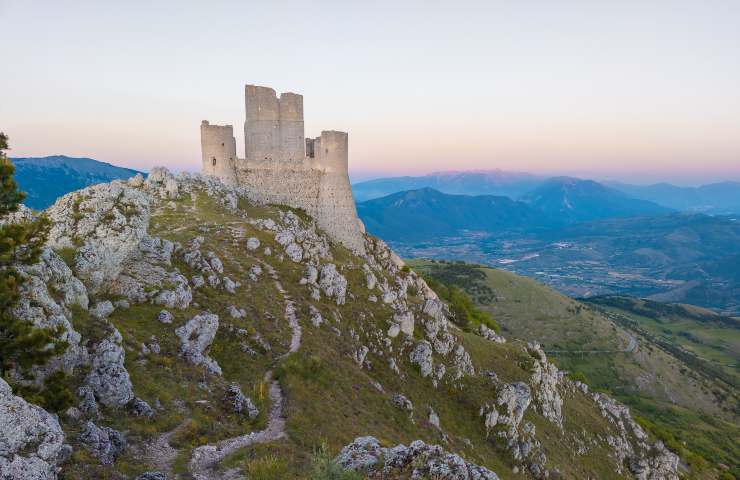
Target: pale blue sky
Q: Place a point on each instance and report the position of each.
(636, 90)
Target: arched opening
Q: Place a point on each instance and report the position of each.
(213, 161)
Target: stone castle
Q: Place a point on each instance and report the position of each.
(282, 166)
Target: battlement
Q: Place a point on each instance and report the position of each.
(282, 166)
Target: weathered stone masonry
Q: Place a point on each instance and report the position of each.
(282, 166)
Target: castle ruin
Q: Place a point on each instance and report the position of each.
(281, 166)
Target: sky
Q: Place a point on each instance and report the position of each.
(639, 91)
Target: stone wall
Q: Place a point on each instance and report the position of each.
(281, 166)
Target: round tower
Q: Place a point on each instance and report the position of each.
(331, 151)
(218, 150)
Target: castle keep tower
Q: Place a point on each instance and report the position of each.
(282, 166)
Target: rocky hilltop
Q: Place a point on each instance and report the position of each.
(209, 336)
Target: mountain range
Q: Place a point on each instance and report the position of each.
(424, 214)
(44, 179)
(715, 198)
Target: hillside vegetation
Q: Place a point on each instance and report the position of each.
(674, 365)
(209, 337)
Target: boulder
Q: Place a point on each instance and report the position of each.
(164, 317)
(105, 443)
(102, 310)
(490, 334)
(253, 243)
(152, 476)
(108, 377)
(421, 355)
(195, 337)
(31, 440)
(333, 283)
(240, 403)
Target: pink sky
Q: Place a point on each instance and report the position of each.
(635, 90)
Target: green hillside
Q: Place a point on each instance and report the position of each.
(688, 403)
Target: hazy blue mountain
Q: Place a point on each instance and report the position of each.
(572, 200)
(492, 182)
(45, 179)
(716, 198)
(426, 214)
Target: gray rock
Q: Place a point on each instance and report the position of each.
(333, 283)
(31, 440)
(102, 310)
(546, 381)
(418, 460)
(253, 243)
(152, 476)
(108, 377)
(198, 281)
(400, 401)
(195, 337)
(136, 181)
(104, 443)
(164, 317)
(421, 355)
(115, 220)
(122, 304)
(294, 252)
(49, 288)
(230, 285)
(236, 312)
(405, 321)
(433, 418)
(88, 405)
(141, 409)
(180, 297)
(489, 334)
(316, 318)
(240, 403)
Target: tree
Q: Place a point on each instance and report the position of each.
(21, 343)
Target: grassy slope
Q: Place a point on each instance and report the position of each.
(328, 397)
(656, 384)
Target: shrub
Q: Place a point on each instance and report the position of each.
(267, 468)
(324, 467)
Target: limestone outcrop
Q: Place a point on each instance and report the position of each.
(32, 444)
(418, 460)
(195, 337)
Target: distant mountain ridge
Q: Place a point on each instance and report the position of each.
(426, 213)
(487, 182)
(716, 198)
(45, 179)
(573, 200)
